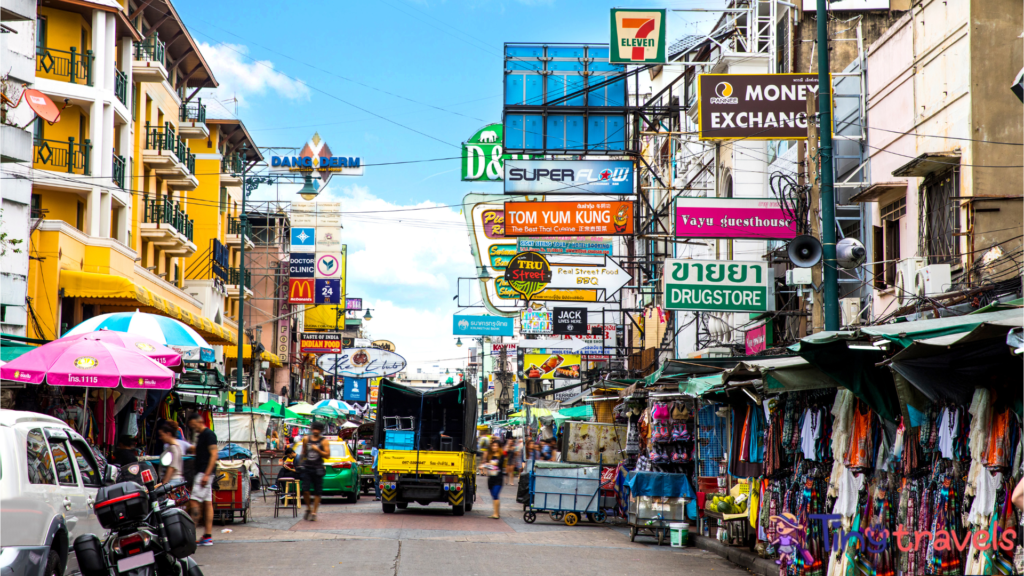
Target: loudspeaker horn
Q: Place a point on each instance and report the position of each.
(804, 251)
(850, 253)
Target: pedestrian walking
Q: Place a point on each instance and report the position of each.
(202, 486)
(167, 433)
(513, 453)
(314, 449)
(376, 475)
(531, 452)
(494, 467)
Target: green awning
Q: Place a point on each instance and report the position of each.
(906, 333)
(9, 349)
(698, 386)
(782, 373)
(856, 370)
(584, 412)
(274, 408)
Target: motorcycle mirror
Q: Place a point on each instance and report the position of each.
(166, 458)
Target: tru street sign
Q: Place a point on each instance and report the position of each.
(560, 278)
(719, 286)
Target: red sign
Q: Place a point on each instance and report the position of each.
(568, 218)
(300, 290)
(494, 223)
(755, 340)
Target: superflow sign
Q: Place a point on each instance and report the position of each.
(638, 37)
(570, 321)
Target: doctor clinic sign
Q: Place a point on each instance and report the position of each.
(719, 286)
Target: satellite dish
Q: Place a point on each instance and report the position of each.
(804, 251)
(850, 253)
(42, 105)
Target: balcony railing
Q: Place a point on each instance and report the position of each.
(66, 155)
(164, 138)
(119, 167)
(233, 275)
(152, 50)
(121, 86)
(235, 227)
(70, 65)
(195, 112)
(231, 164)
(167, 212)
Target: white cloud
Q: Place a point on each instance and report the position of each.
(240, 76)
(405, 264)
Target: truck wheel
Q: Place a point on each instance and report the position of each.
(388, 508)
(402, 505)
(459, 510)
(470, 496)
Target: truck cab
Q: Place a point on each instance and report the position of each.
(427, 446)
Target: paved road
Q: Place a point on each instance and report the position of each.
(358, 539)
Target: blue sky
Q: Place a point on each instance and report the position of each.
(433, 69)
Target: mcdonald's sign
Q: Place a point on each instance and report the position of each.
(300, 290)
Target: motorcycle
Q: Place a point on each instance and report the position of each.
(149, 536)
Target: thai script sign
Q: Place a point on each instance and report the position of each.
(481, 326)
(754, 218)
(754, 106)
(567, 245)
(719, 286)
(568, 218)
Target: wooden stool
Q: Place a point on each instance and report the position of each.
(288, 496)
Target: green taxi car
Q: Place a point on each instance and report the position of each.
(342, 477)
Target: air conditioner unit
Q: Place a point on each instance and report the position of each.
(906, 274)
(850, 310)
(932, 280)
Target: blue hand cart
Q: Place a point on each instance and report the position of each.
(565, 491)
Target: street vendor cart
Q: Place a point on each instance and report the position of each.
(565, 491)
(231, 494)
(656, 499)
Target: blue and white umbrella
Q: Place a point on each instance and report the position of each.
(333, 409)
(166, 331)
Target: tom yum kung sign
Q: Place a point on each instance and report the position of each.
(719, 286)
(753, 218)
(568, 218)
(754, 106)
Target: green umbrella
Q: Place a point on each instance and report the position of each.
(274, 408)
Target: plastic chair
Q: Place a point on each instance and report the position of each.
(288, 496)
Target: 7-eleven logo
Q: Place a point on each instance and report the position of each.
(638, 36)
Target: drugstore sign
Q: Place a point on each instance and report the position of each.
(719, 286)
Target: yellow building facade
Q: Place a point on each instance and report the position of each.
(136, 190)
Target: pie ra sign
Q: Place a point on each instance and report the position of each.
(638, 37)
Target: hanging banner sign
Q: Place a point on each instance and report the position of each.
(320, 342)
(719, 286)
(303, 239)
(355, 390)
(638, 37)
(599, 246)
(574, 177)
(755, 339)
(362, 363)
(300, 290)
(754, 106)
(353, 303)
(328, 265)
(549, 366)
(328, 239)
(568, 218)
(327, 291)
(570, 321)
(535, 319)
(301, 264)
(753, 218)
(482, 326)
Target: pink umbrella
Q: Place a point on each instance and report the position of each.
(161, 354)
(87, 362)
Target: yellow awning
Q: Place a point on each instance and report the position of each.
(232, 352)
(110, 288)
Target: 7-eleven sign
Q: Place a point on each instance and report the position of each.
(638, 36)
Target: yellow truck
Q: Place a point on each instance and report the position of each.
(427, 446)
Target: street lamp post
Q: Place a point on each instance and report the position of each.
(248, 185)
